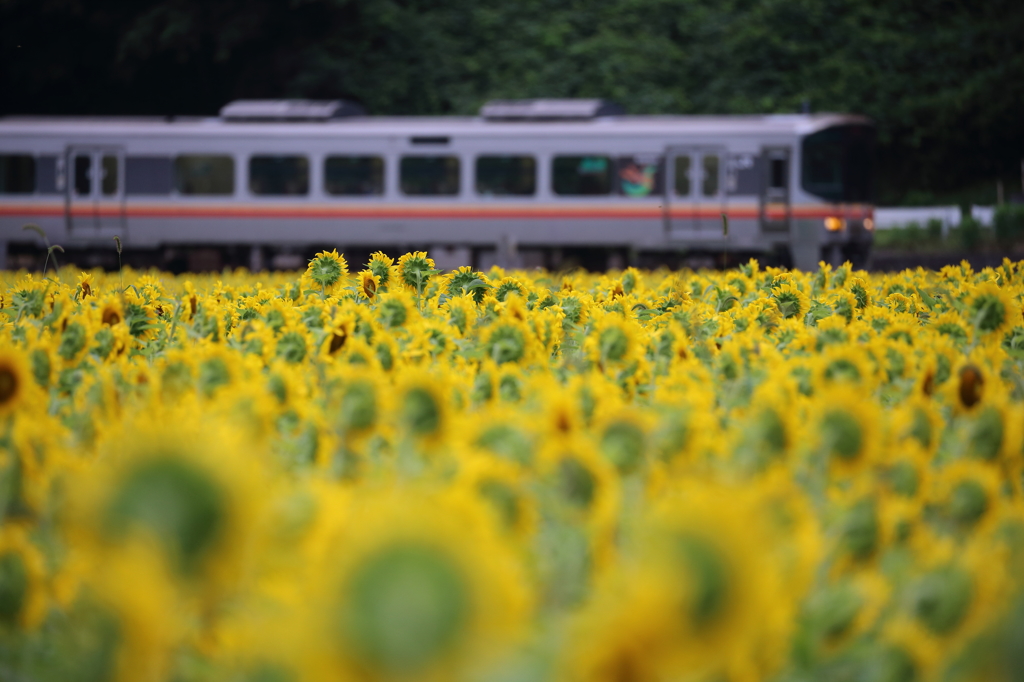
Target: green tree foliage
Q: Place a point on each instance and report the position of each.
(943, 80)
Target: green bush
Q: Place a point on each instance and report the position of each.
(969, 233)
(1009, 223)
(934, 230)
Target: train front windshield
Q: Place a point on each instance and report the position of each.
(838, 164)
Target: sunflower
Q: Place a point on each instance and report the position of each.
(368, 284)
(613, 341)
(462, 313)
(954, 595)
(15, 380)
(509, 341)
(623, 438)
(419, 589)
(467, 281)
(421, 406)
(396, 309)
(111, 311)
(846, 422)
(382, 266)
(339, 332)
(992, 311)
(501, 485)
(415, 271)
(968, 493)
(22, 580)
(85, 286)
(326, 269)
(790, 301)
(731, 611)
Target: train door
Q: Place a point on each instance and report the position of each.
(776, 210)
(96, 191)
(694, 192)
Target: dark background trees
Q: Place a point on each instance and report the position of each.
(943, 80)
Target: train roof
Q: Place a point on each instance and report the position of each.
(466, 126)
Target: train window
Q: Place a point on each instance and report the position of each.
(83, 174)
(741, 174)
(709, 183)
(354, 175)
(108, 170)
(429, 175)
(581, 175)
(639, 175)
(148, 175)
(17, 174)
(838, 163)
(778, 173)
(204, 174)
(506, 175)
(279, 175)
(46, 175)
(682, 173)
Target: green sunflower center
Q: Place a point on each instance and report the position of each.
(404, 608)
(358, 408)
(176, 501)
(13, 587)
(576, 483)
(613, 344)
(988, 313)
(506, 344)
(708, 575)
(623, 444)
(843, 437)
(325, 270)
(968, 502)
(503, 500)
(941, 599)
(420, 412)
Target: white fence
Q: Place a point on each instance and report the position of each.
(949, 216)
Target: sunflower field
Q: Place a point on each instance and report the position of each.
(404, 475)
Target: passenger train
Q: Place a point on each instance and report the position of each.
(527, 182)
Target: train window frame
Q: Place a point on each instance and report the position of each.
(687, 173)
(305, 192)
(534, 189)
(459, 172)
(31, 174)
(382, 158)
(610, 159)
(705, 176)
(176, 186)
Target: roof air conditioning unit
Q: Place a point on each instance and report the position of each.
(259, 110)
(548, 109)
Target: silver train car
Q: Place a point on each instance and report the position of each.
(527, 182)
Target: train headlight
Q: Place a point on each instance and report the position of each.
(834, 224)
(869, 224)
